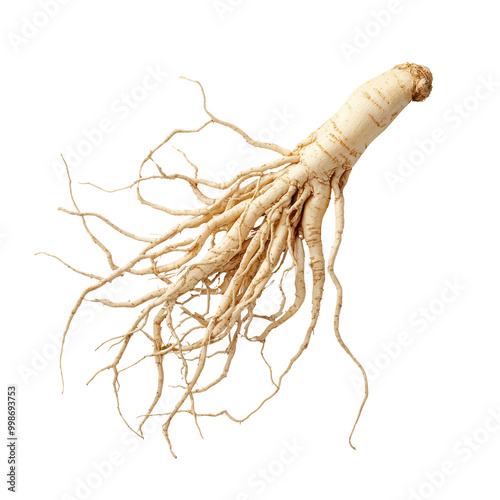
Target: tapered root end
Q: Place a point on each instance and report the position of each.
(423, 80)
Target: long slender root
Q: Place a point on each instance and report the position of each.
(339, 228)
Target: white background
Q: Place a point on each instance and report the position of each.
(257, 58)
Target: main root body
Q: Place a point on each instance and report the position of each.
(206, 288)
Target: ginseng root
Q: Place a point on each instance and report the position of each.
(207, 273)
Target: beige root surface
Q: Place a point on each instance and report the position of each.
(260, 225)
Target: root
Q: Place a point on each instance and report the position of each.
(339, 229)
(206, 285)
